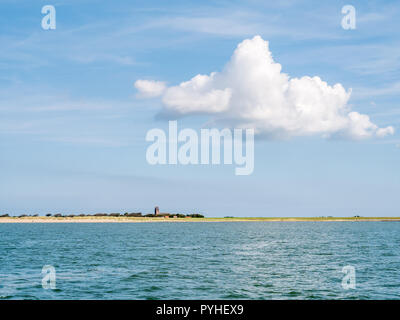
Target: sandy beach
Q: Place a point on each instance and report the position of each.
(122, 219)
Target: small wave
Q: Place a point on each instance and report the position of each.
(152, 289)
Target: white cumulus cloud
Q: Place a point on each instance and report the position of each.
(150, 88)
(252, 92)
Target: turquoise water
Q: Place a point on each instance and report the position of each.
(222, 260)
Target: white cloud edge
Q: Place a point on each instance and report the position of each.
(150, 88)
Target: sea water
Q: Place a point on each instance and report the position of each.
(200, 260)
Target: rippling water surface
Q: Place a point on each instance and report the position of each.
(221, 260)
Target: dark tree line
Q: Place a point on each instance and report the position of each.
(126, 214)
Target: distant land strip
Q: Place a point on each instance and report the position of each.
(124, 219)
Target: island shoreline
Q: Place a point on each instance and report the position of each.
(42, 219)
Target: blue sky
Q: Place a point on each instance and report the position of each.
(72, 128)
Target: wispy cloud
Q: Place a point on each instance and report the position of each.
(89, 141)
(392, 89)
